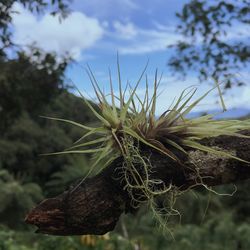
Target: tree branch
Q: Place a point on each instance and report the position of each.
(94, 207)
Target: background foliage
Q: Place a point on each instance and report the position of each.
(29, 88)
(208, 48)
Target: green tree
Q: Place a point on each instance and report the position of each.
(28, 89)
(209, 48)
(17, 94)
(15, 194)
(38, 6)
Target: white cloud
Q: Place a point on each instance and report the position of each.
(125, 31)
(238, 31)
(108, 9)
(234, 98)
(130, 4)
(170, 89)
(134, 40)
(74, 34)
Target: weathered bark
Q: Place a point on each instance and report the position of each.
(94, 206)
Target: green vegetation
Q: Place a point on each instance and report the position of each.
(30, 89)
(129, 125)
(26, 92)
(26, 177)
(208, 47)
(59, 7)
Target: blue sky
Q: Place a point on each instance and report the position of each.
(139, 30)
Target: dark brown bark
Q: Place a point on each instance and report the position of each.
(94, 206)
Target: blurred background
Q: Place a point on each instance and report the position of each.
(44, 49)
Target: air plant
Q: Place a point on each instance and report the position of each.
(128, 122)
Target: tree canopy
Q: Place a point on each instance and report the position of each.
(213, 45)
(60, 7)
(26, 92)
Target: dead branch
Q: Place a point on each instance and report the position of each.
(94, 207)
